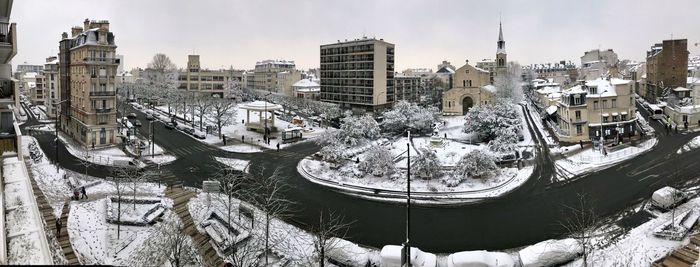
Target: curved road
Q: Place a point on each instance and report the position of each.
(529, 214)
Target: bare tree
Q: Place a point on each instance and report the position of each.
(202, 105)
(582, 223)
(330, 226)
(232, 183)
(120, 178)
(268, 195)
(224, 112)
(161, 77)
(167, 242)
(161, 62)
(85, 161)
(246, 253)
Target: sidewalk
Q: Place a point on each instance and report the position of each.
(580, 161)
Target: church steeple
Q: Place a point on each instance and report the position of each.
(501, 43)
(501, 56)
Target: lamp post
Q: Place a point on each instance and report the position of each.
(407, 244)
(602, 140)
(265, 130)
(58, 117)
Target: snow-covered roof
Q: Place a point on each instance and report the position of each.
(305, 83)
(482, 70)
(308, 90)
(30, 75)
(261, 106)
(445, 70)
(681, 89)
(607, 88)
(551, 110)
(549, 89)
(575, 90)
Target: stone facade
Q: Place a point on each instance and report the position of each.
(667, 68)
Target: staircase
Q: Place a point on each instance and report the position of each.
(683, 257)
(50, 223)
(181, 198)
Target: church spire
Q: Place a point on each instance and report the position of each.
(501, 44)
(500, 32)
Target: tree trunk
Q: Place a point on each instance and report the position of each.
(201, 114)
(267, 236)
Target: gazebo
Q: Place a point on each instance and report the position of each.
(261, 107)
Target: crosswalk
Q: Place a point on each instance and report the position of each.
(188, 150)
(166, 177)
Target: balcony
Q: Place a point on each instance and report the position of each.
(8, 44)
(101, 60)
(102, 93)
(103, 110)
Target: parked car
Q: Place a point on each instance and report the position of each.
(188, 130)
(391, 257)
(551, 252)
(667, 198)
(137, 123)
(131, 115)
(169, 125)
(180, 126)
(480, 258)
(345, 253)
(199, 134)
(149, 117)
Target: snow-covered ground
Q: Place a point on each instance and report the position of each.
(100, 156)
(236, 164)
(159, 156)
(692, 144)
(238, 130)
(639, 247)
(26, 241)
(588, 160)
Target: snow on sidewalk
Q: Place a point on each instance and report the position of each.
(26, 241)
(588, 160)
(236, 164)
(692, 144)
(100, 156)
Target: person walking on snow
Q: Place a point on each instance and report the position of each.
(58, 227)
(82, 192)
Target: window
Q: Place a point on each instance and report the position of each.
(614, 103)
(595, 104)
(579, 130)
(578, 115)
(577, 100)
(605, 119)
(623, 117)
(605, 103)
(464, 83)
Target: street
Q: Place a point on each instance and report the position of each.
(532, 213)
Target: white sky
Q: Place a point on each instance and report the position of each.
(239, 33)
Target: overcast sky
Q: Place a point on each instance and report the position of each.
(239, 33)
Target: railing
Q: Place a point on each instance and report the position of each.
(105, 60)
(103, 93)
(4, 32)
(103, 110)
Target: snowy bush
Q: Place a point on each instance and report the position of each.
(332, 153)
(426, 165)
(409, 116)
(357, 130)
(378, 161)
(476, 164)
(486, 120)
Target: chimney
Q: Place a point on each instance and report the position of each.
(64, 35)
(86, 24)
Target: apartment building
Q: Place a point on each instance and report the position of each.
(586, 109)
(667, 68)
(51, 85)
(407, 88)
(87, 71)
(205, 81)
(265, 75)
(358, 74)
(9, 86)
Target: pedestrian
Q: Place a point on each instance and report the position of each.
(580, 142)
(224, 136)
(445, 135)
(278, 147)
(76, 194)
(82, 191)
(58, 227)
(605, 152)
(676, 128)
(686, 125)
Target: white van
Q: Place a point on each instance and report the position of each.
(656, 112)
(391, 257)
(667, 198)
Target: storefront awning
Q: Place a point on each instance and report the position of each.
(614, 114)
(623, 113)
(606, 114)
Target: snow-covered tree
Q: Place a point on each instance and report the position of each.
(506, 141)
(223, 111)
(509, 85)
(476, 164)
(378, 161)
(160, 78)
(485, 120)
(202, 105)
(426, 164)
(409, 116)
(167, 242)
(356, 130)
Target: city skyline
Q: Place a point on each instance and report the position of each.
(424, 33)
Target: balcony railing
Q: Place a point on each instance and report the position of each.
(103, 60)
(102, 93)
(5, 32)
(103, 110)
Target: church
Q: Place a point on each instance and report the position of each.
(472, 85)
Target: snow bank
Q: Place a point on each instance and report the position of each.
(550, 252)
(236, 164)
(692, 144)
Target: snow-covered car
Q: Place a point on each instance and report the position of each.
(131, 115)
(480, 258)
(199, 134)
(345, 253)
(667, 198)
(149, 117)
(188, 130)
(180, 126)
(137, 123)
(169, 125)
(391, 257)
(551, 252)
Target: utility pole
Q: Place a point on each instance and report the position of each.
(407, 244)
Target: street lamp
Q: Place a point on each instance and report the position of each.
(58, 117)
(265, 130)
(407, 244)
(602, 140)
